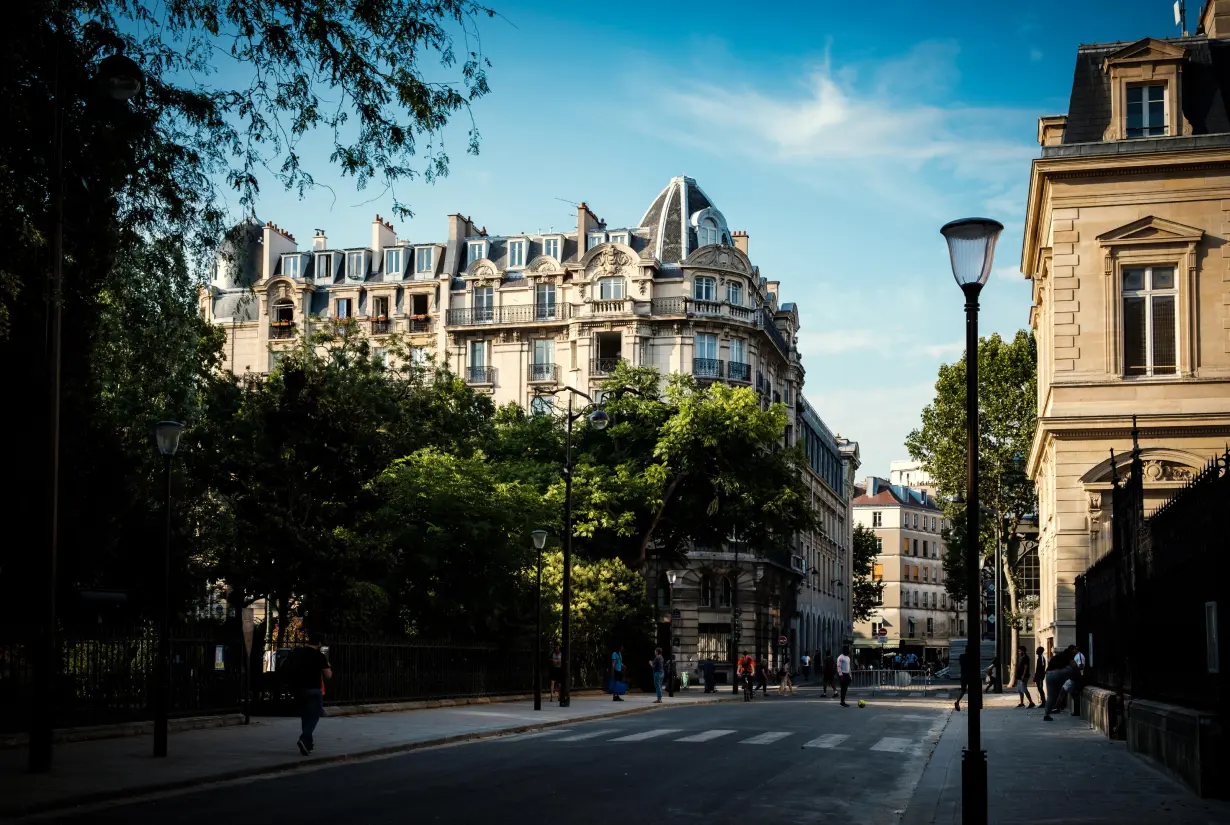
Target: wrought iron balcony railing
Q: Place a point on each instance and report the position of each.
(381, 326)
(706, 368)
(604, 366)
(736, 371)
(529, 314)
(282, 329)
(480, 375)
(543, 372)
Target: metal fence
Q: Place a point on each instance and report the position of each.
(903, 682)
(1143, 611)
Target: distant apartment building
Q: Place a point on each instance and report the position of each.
(909, 473)
(916, 613)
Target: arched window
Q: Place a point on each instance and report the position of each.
(706, 590)
(707, 232)
(728, 592)
(283, 312)
(664, 591)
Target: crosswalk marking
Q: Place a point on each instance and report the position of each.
(706, 736)
(829, 740)
(577, 737)
(892, 744)
(766, 738)
(649, 734)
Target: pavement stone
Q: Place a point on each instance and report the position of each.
(98, 770)
(1060, 771)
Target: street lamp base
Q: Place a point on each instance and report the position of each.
(973, 787)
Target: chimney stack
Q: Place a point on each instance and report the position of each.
(382, 236)
(319, 242)
(740, 239)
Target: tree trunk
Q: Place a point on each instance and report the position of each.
(657, 518)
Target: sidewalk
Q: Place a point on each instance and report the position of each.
(1060, 771)
(99, 770)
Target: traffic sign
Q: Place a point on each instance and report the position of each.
(783, 641)
(675, 614)
(883, 632)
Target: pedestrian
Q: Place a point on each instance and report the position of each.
(744, 675)
(306, 669)
(805, 660)
(785, 686)
(1078, 680)
(708, 668)
(991, 670)
(557, 670)
(1058, 670)
(671, 675)
(1020, 677)
(843, 673)
(617, 673)
(658, 665)
(830, 675)
(762, 677)
(964, 669)
(1040, 674)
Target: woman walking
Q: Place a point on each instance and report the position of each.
(1040, 674)
(785, 686)
(557, 670)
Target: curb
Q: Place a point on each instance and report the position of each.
(66, 803)
(121, 730)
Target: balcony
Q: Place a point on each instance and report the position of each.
(775, 335)
(480, 375)
(536, 313)
(604, 366)
(381, 326)
(706, 308)
(618, 307)
(706, 368)
(281, 329)
(669, 306)
(424, 276)
(543, 373)
(739, 372)
(420, 325)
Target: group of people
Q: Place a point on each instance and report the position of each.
(1058, 679)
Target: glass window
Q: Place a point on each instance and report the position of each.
(1146, 111)
(422, 259)
(477, 250)
(356, 266)
(877, 572)
(291, 265)
(550, 248)
(343, 307)
(933, 524)
(713, 642)
(728, 591)
(392, 262)
(704, 289)
(734, 294)
(707, 232)
(540, 405)
(1149, 333)
(706, 346)
(611, 289)
(930, 626)
(478, 353)
(738, 355)
(419, 355)
(324, 267)
(916, 521)
(875, 519)
(594, 239)
(706, 590)
(924, 548)
(544, 301)
(915, 547)
(516, 253)
(380, 308)
(483, 303)
(619, 237)
(544, 351)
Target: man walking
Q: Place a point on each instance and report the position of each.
(963, 671)
(306, 669)
(658, 665)
(843, 673)
(1040, 675)
(805, 660)
(1078, 679)
(830, 675)
(617, 673)
(1020, 677)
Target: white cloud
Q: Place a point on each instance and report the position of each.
(1009, 272)
(1035, 55)
(952, 349)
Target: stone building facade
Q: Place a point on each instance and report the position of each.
(1126, 244)
(517, 316)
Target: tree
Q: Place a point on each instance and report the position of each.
(1007, 400)
(866, 590)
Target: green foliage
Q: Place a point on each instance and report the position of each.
(865, 591)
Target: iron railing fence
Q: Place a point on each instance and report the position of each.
(1150, 595)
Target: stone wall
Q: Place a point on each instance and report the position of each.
(1188, 745)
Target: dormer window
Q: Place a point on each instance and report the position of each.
(292, 265)
(324, 267)
(551, 247)
(356, 266)
(423, 259)
(619, 237)
(516, 253)
(1146, 110)
(476, 250)
(594, 239)
(707, 232)
(392, 263)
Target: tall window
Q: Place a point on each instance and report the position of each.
(611, 289)
(380, 308)
(516, 253)
(356, 266)
(422, 259)
(1146, 111)
(476, 250)
(916, 521)
(734, 294)
(915, 547)
(877, 519)
(324, 267)
(877, 572)
(706, 346)
(704, 289)
(706, 590)
(738, 355)
(343, 307)
(419, 356)
(1149, 339)
(544, 351)
(713, 642)
(728, 591)
(550, 248)
(930, 626)
(392, 262)
(924, 548)
(544, 301)
(707, 233)
(478, 354)
(291, 265)
(483, 303)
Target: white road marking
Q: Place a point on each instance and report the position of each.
(891, 744)
(649, 734)
(577, 737)
(706, 736)
(766, 738)
(829, 740)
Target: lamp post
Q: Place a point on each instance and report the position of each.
(971, 250)
(166, 435)
(540, 541)
(122, 79)
(598, 419)
(671, 577)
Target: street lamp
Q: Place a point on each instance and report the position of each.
(122, 78)
(540, 541)
(166, 436)
(971, 250)
(671, 577)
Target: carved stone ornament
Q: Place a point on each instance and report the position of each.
(608, 261)
(503, 337)
(1095, 503)
(644, 287)
(283, 291)
(1167, 471)
(719, 257)
(484, 271)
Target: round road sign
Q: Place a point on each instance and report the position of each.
(782, 640)
(883, 631)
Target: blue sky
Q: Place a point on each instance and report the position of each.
(840, 136)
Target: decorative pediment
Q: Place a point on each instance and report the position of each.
(1161, 465)
(483, 272)
(545, 265)
(720, 258)
(1147, 50)
(281, 288)
(1151, 230)
(609, 259)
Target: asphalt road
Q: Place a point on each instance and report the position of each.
(799, 760)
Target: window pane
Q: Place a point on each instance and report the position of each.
(1156, 93)
(1133, 279)
(1163, 278)
(1134, 336)
(1163, 335)
(1135, 115)
(1134, 94)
